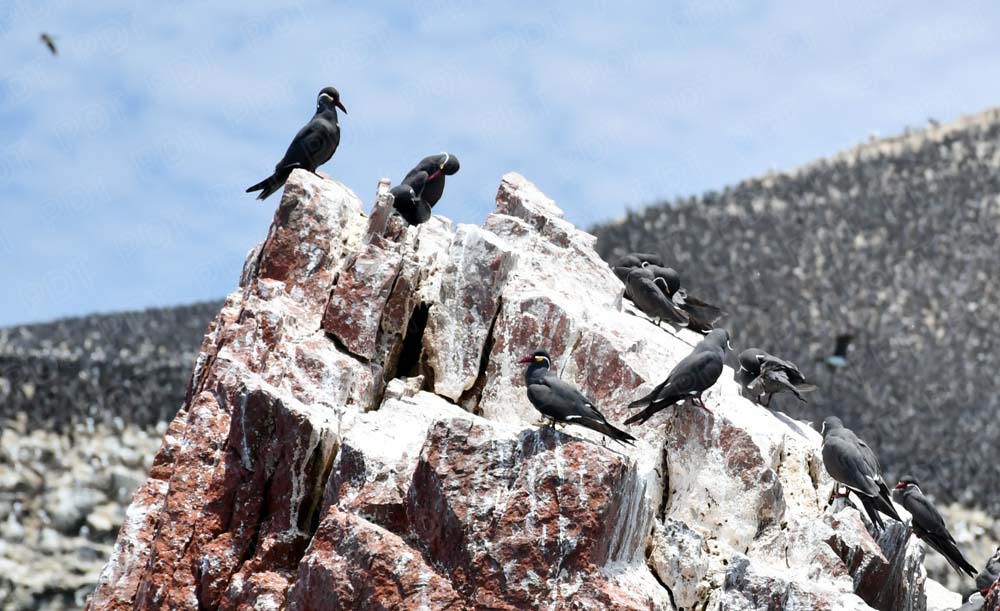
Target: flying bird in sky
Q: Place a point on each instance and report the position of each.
(49, 42)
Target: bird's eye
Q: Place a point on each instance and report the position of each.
(540, 359)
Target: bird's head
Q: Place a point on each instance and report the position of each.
(448, 165)
(830, 424)
(329, 98)
(665, 277)
(539, 357)
(908, 482)
(750, 359)
(720, 338)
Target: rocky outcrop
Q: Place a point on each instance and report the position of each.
(356, 432)
(894, 240)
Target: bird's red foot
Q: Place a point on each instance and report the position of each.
(697, 402)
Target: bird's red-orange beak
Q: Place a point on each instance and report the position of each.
(340, 105)
(526, 360)
(900, 485)
(434, 175)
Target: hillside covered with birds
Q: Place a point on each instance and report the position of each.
(895, 243)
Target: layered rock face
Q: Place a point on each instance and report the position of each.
(356, 435)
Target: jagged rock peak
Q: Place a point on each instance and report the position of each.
(356, 430)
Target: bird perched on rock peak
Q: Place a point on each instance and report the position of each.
(852, 463)
(765, 374)
(561, 402)
(422, 187)
(313, 146)
(695, 374)
(928, 525)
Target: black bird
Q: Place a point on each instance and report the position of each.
(562, 402)
(313, 146)
(636, 259)
(986, 577)
(643, 288)
(766, 374)
(704, 316)
(701, 316)
(838, 360)
(695, 374)
(407, 202)
(929, 526)
(49, 42)
(852, 463)
(423, 186)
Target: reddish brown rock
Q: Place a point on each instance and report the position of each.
(354, 564)
(354, 313)
(312, 468)
(522, 521)
(314, 227)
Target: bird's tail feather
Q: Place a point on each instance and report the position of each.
(642, 416)
(883, 502)
(269, 185)
(870, 508)
(952, 554)
(645, 401)
(612, 432)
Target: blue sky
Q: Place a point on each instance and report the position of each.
(123, 161)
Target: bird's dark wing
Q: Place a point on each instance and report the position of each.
(703, 316)
(312, 146)
(427, 165)
(925, 515)
(694, 374)
(408, 205)
(434, 190)
(563, 402)
(868, 456)
(843, 341)
(651, 300)
(770, 362)
(845, 462)
(777, 380)
(635, 259)
(557, 399)
(416, 181)
(943, 543)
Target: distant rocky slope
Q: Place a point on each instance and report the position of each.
(898, 241)
(132, 366)
(356, 430)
